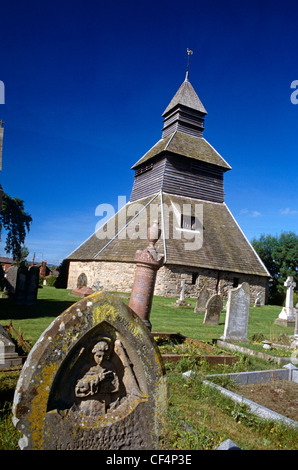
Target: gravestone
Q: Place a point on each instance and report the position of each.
(237, 314)
(93, 380)
(288, 314)
(21, 286)
(202, 301)
(11, 280)
(213, 310)
(181, 302)
(32, 285)
(8, 355)
(26, 285)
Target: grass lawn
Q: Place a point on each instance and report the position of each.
(198, 417)
(33, 320)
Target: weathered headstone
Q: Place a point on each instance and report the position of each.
(93, 380)
(213, 310)
(21, 286)
(237, 314)
(202, 301)
(181, 302)
(8, 355)
(11, 280)
(288, 314)
(32, 285)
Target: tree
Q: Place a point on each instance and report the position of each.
(280, 256)
(15, 222)
(23, 255)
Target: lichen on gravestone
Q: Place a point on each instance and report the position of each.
(94, 380)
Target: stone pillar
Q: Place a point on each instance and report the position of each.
(148, 262)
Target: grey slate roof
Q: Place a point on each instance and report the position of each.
(224, 247)
(187, 145)
(186, 96)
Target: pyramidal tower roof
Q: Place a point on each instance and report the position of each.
(185, 112)
(182, 132)
(186, 96)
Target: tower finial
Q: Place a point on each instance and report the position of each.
(189, 52)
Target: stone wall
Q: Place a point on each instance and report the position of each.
(168, 282)
(114, 276)
(119, 277)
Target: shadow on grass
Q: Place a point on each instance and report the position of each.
(42, 308)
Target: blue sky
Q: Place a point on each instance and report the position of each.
(86, 84)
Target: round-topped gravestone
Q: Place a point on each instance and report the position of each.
(94, 380)
(213, 310)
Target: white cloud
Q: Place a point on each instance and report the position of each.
(288, 211)
(250, 213)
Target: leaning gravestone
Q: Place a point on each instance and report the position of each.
(213, 310)
(11, 279)
(94, 380)
(237, 314)
(202, 301)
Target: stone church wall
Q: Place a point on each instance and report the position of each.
(119, 277)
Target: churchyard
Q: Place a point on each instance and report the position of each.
(198, 417)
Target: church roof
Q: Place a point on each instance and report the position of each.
(187, 145)
(224, 247)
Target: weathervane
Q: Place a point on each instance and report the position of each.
(189, 52)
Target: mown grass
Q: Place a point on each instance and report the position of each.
(198, 417)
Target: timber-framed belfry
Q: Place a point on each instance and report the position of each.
(179, 183)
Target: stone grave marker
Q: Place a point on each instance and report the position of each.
(8, 355)
(213, 310)
(93, 380)
(202, 301)
(32, 285)
(288, 314)
(11, 280)
(21, 286)
(237, 313)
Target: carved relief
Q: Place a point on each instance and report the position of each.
(100, 379)
(95, 390)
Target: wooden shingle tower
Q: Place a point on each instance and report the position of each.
(179, 181)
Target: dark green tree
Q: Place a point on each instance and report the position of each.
(280, 256)
(16, 222)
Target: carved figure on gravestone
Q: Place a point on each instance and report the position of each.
(95, 389)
